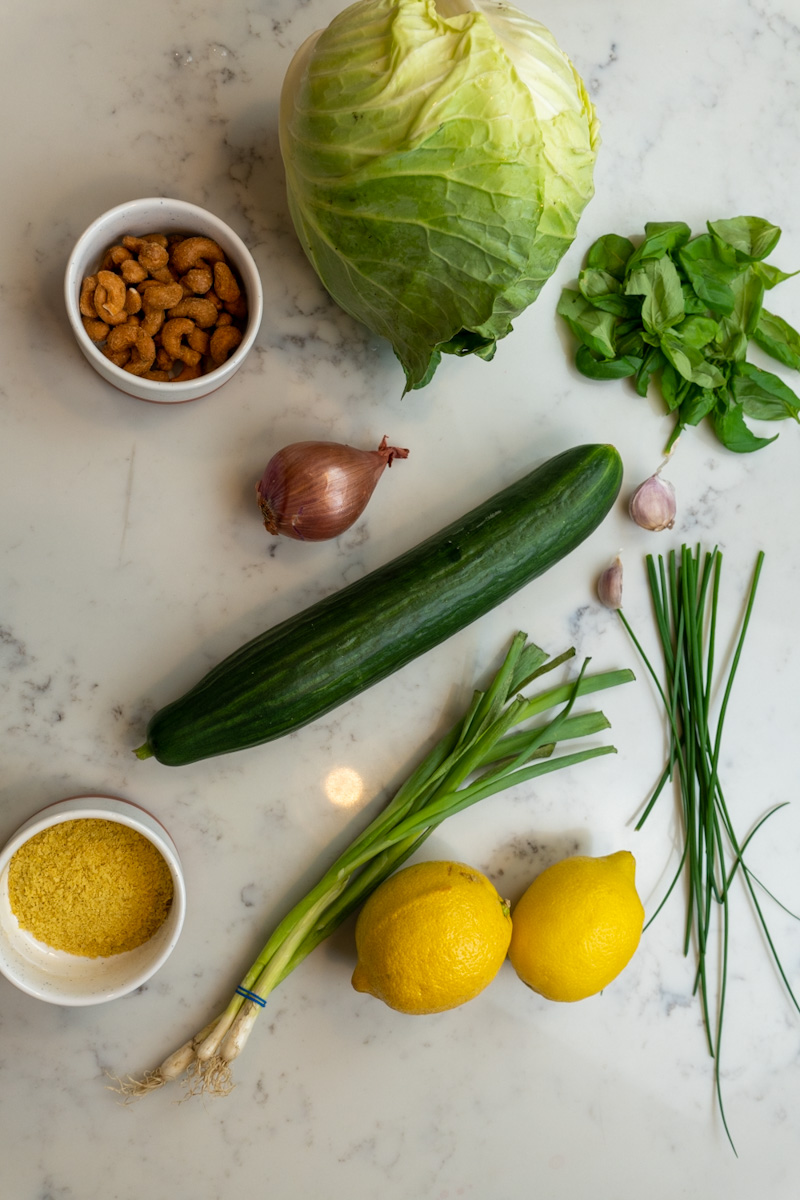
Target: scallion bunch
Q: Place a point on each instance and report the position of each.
(484, 753)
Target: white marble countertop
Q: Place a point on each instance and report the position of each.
(132, 557)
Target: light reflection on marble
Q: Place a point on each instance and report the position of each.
(133, 557)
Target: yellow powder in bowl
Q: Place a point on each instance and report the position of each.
(90, 887)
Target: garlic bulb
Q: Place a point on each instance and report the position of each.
(609, 585)
(653, 504)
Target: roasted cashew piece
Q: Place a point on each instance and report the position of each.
(136, 340)
(114, 257)
(132, 271)
(86, 300)
(172, 336)
(161, 296)
(199, 279)
(198, 308)
(109, 296)
(224, 341)
(96, 329)
(133, 301)
(199, 340)
(225, 284)
(188, 372)
(184, 255)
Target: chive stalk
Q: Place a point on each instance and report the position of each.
(485, 752)
(685, 595)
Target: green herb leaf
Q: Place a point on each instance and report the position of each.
(778, 338)
(697, 404)
(763, 395)
(610, 253)
(736, 329)
(590, 326)
(657, 280)
(605, 368)
(771, 276)
(653, 362)
(604, 291)
(690, 362)
(660, 238)
(730, 428)
(711, 265)
(752, 238)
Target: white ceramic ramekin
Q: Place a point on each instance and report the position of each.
(72, 979)
(160, 215)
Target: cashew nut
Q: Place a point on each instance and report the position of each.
(86, 299)
(199, 279)
(161, 296)
(198, 308)
(109, 296)
(225, 284)
(133, 301)
(199, 339)
(132, 271)
(184, 255)
(172, 335)
(224, 340)
(115, 256)
(136, 340)
(96, 329)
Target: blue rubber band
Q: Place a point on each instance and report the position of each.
(259, 1000)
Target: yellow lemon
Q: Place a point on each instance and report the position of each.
(577, 926)
(431, 937)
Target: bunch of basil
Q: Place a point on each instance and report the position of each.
(682, 311)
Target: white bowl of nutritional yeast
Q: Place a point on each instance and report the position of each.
(121, 884)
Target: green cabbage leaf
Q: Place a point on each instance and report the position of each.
(438, 157)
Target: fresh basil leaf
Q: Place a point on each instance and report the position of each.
(658, 282)
(604, 291)
(590, 326)
(652, 362)
(610, 253)
(673, 387)
(763, 395)
(736, 329)
(629, 340)
(690, 362)
(691, 301)
(697, 331)
(660, 237)
(752, 238)
(697, 404)
(778, 338)
(730, 428)
(710, 266)
(770, 276)
(605, 368)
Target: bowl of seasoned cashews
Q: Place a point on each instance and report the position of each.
(164, 299)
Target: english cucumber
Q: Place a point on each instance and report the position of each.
(328, 653)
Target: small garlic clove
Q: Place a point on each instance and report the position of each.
(609, 585)
(653, 504)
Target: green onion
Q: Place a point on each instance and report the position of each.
(685, 595)
(483, 753)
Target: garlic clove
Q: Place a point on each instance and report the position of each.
(653, 505)
(609, 585)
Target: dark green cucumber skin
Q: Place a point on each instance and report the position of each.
(328, 653)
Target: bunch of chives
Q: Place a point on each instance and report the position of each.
(685, 594)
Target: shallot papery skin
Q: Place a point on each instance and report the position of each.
(313, 491)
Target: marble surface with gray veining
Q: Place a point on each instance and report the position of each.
(132, 558)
